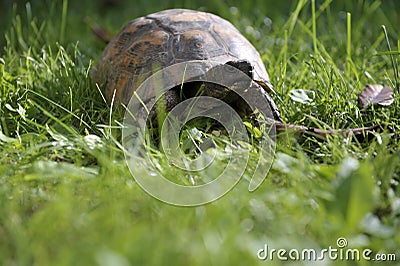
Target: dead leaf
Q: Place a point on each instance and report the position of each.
(302, 96)
(375, 94)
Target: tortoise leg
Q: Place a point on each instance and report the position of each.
(160, 108)
(171, 99)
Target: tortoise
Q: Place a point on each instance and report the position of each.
(173, 36)
(170, 37)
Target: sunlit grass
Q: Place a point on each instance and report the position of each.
(67, 196)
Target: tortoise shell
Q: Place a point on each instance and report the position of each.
(168, 37)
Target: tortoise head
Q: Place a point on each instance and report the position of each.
(243, 65)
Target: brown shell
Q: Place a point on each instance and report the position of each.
(168, 37)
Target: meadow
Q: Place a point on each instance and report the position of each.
(67, 196)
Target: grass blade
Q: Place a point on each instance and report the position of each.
(63, 20)
(348, 48)
(394, 65)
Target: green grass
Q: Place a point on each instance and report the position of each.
(67, 196)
